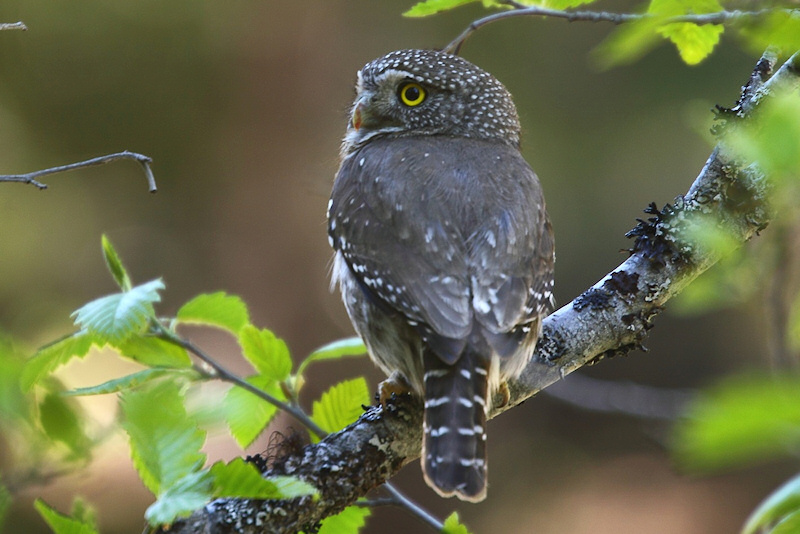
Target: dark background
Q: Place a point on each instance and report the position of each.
(242, 105)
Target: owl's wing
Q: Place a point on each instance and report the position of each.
(428, 228)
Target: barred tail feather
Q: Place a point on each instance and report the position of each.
(454, 441)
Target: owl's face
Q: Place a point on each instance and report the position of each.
(424, 92)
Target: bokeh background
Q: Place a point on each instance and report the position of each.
(241, 105)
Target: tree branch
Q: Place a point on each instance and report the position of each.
(522, 10)
(30, 178)
(12, 26)
(612, 317)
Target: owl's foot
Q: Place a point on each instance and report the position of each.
(505, 394)
(394, 386)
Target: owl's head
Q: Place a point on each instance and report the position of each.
(425, 92)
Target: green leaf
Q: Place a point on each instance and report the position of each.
(216, 309)
(694, 42)
(248, 414)
(628, 43)
(84, 512)
(268, 354)
(453, 526)
(50, 357)
(782, 502)
(61, 423)
(115, 265)
(120, 384)
(431, 7)
(341, 404)
(154, 352)
(789, 524)
(743, 420)
(772, 141)
(115, 318)
(343, 348)
(779, 29)
(181, 499)
(165, 442)
(348, 521)
(240, 479)
(60, 523)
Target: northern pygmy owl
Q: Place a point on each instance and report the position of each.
(444, 251)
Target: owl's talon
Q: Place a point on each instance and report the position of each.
(392, 387)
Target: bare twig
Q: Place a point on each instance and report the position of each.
(31, 177)
(521, 10)
(624, 398)
(12, 26)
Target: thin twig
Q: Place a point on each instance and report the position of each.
(222, 373)
(412, 507)
(12, 26)
(625, 398)
(520, 10)
(30, 178)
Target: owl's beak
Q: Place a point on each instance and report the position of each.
(362, 117)
(358, 116)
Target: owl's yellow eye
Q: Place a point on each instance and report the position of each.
(411, 94)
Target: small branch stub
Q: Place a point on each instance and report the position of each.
(12, 26)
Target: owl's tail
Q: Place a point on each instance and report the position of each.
(454, 441)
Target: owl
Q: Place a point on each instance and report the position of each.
(443, 248)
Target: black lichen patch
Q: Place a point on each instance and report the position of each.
(593, 298)
(622, 283)
(550, 346)
(650, 236)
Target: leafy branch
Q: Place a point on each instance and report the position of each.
(31, 177)
(694, 26)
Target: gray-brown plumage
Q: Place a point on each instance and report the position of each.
(444, 252)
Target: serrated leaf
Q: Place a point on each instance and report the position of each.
(115, 318)
(431, 7)
(248, 415)
(348, 521)
(121, 384)
(216, 309)
(341, 404)
(60, 523)
(694, 42)
(60, 422)
(742, 420)
(268, 354)
(115, 266)
(165, 442)
(342, 348)
(453, 526)
(240, 479)
(154, 352)
(181, 499)
(50, 357)
(782, 502)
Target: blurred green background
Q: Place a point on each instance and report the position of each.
(241, 105)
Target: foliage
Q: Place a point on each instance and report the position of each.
(658, 20)
(779, 513)
(166, 443)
